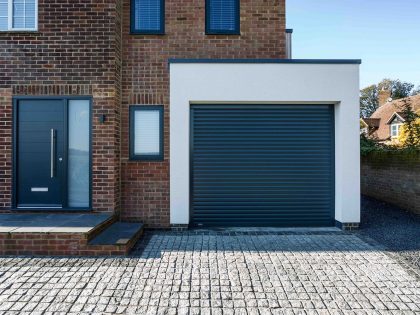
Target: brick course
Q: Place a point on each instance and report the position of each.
(5, 148)
(392, 177)
(57, 244)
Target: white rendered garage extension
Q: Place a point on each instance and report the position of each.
(268, 82)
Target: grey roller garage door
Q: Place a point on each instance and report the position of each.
(262, 165)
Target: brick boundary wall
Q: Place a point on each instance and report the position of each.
(392, 177)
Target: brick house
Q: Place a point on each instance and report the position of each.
(385, 123)
(113, 107)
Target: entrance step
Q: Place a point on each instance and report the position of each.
(117, 239)
(66, 234)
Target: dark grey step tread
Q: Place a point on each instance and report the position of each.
(118, 233)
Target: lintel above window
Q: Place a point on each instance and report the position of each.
(18, 15)
(147, 17)
(223, 17)
(146, 132)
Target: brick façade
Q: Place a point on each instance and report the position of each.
(145, 80)
(76, 51)
(85, 48)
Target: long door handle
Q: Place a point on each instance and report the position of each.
(52, 165)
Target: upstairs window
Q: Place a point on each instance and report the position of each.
(18, 15)
(147, 16)
(222, 17)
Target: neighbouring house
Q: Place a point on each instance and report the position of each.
(384, 125)
(170, 114)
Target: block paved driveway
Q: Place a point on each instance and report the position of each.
(217, 273)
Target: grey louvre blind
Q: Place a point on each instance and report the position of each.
(223, 15)
(262, 165)
(147, 15)
(147, 132)
(24, 14)
(3, 15)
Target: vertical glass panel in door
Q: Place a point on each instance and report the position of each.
(78, 153)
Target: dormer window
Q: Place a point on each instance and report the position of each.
(395, 123)
(18, 15)
(395, 130)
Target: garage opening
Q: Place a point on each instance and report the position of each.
(262, 165)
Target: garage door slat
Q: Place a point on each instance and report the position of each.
(262, 165)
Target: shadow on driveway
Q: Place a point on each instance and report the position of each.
(395, 228)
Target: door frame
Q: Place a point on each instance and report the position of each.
(66, 100)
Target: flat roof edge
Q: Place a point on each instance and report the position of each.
(291, 61)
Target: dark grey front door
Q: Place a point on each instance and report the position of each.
(40, 153)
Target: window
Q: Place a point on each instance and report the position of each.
(18, 15)
(147, 16)
(146, 132)
(78, 153)
(395, 130)
(222, 17)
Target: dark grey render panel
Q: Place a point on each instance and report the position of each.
(262, 165)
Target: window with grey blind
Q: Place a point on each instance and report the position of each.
(18, 15)
(147, 16)
(146, 132)
(222, 17)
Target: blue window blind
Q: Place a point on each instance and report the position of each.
(18, 15)
(4, 20)
(222, 16)
(24, 14)
(147, 16)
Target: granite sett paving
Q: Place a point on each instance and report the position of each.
(217, 272)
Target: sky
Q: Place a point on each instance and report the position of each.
(385, 34)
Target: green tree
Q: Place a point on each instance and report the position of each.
(369, 95)
(410, 133)
(368, 100)
(398, 89)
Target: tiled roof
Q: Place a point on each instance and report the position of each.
(372, 122)
(385, 112)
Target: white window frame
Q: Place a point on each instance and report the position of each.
(10, 19)
(398, 127)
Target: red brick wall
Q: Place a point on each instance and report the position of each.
(145, 185)
(76, 51)
(392, 177)
(5, 148)
(67, 244)
(80, 50)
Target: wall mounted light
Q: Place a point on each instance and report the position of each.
(102, 119)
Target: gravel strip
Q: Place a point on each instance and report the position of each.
(395, 228)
